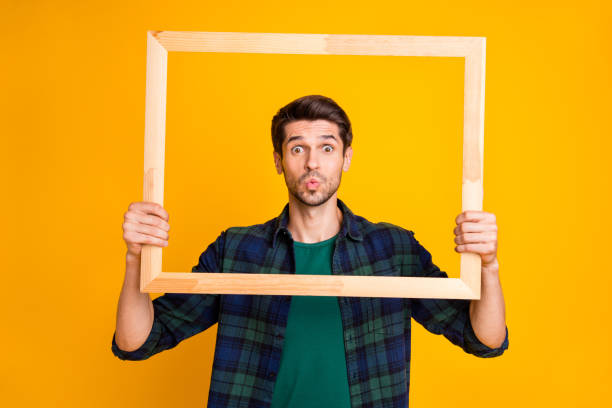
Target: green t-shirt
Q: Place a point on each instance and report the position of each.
(312, 370)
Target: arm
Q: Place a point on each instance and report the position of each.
(476, 232)
(146, 327)
(134, 310)
(449, 317)
(488, 314)
(144, 223)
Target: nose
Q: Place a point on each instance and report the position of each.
(312, 161)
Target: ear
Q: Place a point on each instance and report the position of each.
(348, 155)
(277, 163)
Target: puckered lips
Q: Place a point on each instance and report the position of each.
(312, 183)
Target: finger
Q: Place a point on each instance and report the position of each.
(141, 218)
(147, 230)
(138, 238)
(475, 216)
(476, 237)
(469, 215)
(476, 248)
(149, 207)
(474, 227)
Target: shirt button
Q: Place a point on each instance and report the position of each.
(271, 374)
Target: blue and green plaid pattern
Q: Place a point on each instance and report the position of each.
(250, 330)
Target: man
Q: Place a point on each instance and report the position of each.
(310, 351)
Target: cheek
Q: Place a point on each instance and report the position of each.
(339, 168)
(291, 170)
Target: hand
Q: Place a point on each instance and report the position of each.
(145, 223)
(476, 232)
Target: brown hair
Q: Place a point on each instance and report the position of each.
(310, 107)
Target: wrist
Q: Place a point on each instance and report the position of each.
(490, 269)
(132, 258)
(490, 266)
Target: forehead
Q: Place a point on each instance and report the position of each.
(311, 128)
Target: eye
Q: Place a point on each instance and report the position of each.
(296, 147)
(331, 148)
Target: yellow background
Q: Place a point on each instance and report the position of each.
(72, 81)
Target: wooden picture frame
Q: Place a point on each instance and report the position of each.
(159, 43)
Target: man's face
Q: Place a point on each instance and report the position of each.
(312, 160)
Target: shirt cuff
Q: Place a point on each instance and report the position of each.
(143, 352)
(474, 346)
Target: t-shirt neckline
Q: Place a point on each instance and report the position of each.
(315, 244)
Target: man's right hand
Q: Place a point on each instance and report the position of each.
(145, 223)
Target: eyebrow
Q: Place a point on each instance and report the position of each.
(299, 137)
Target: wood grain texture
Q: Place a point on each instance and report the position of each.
(154, 148)
(332, 44)
(309, 285)
(472, 193)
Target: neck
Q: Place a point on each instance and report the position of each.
(310, 224)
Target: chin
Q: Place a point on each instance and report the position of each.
(313, 200)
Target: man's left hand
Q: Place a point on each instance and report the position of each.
(476, 232)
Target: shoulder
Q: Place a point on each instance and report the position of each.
(258, 230)
(387, 238)
(254, 236)
(375, 231)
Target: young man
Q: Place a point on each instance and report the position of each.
(310, 351)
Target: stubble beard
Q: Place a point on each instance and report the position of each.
(327, 188)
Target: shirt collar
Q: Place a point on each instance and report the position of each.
(349, 224)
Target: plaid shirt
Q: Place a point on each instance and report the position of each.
(251, 328)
